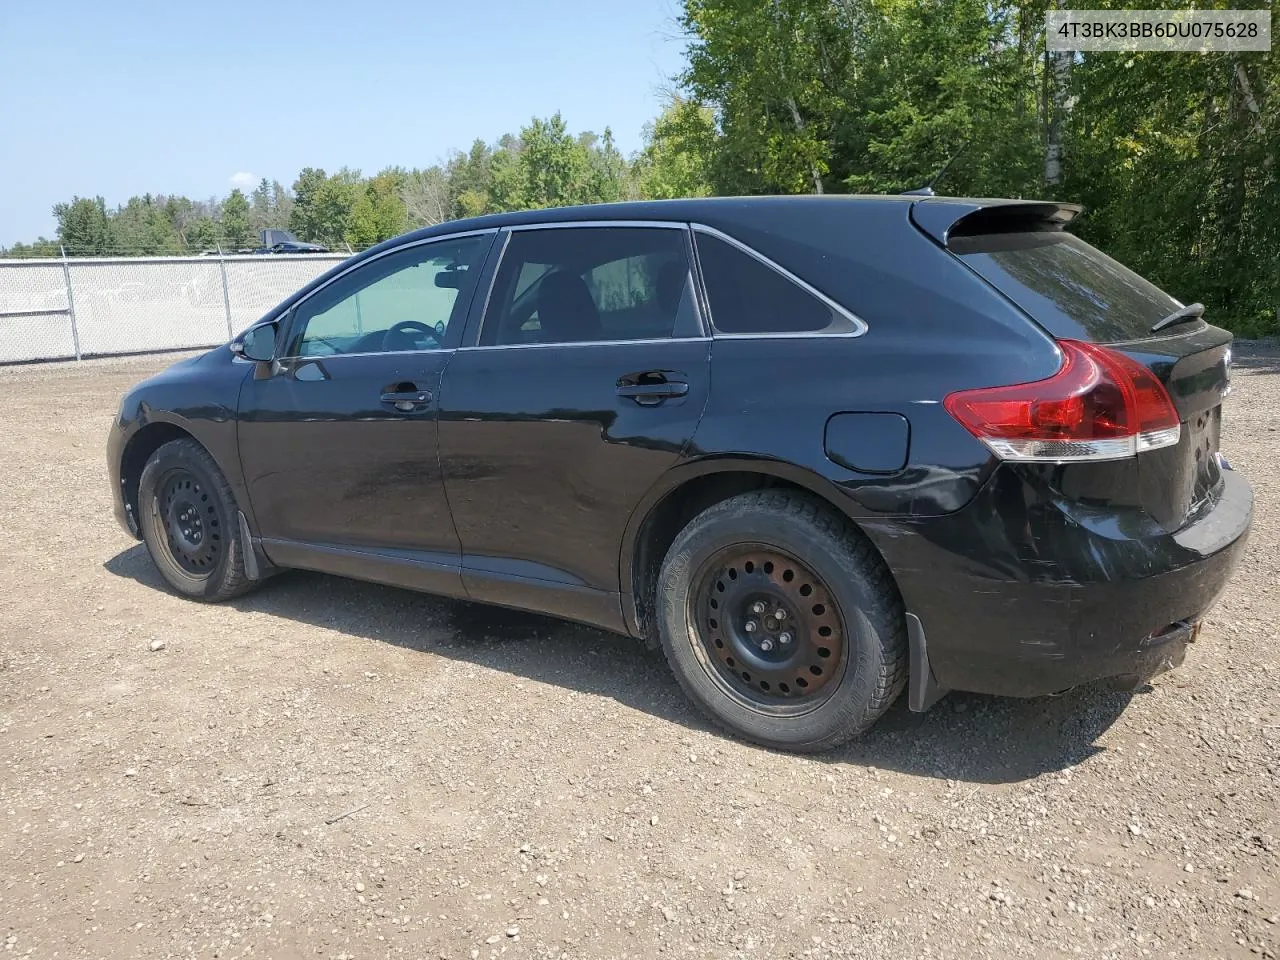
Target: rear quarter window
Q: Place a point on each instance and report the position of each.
(1072, 289)
(748, 297)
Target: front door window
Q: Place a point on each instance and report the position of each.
(404, 301)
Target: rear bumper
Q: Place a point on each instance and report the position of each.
(1021, 595)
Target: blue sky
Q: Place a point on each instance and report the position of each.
(122, 97)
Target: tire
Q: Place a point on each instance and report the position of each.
(834, 662)
(189, 518)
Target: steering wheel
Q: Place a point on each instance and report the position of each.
(398, 336)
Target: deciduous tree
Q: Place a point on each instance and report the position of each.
(679, 152)
(377, 211)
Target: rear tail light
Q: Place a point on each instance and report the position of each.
(1101, 405)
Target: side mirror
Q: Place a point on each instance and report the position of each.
(259, 343)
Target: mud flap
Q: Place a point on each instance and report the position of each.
(256, 564)
(923, 689)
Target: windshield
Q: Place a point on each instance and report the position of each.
(1072, 289)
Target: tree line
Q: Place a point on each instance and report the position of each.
(1173, 155)
(543, 165)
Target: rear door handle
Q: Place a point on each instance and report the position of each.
(407, 401)
(645, 393)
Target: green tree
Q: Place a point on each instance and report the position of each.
(332, 206)
(679, 152)
(611, 177)
(508, 189)
(378, 210)
(470, 180)
(962, 83)
(237, 225)
(145, 226)
(554, 168)
(546, 166)
(260, 205)
(1173, 154)
(281, 205)
(775, 72)
(83, 229)
(270, 206)
(304, 219)
(24, 251)
(202, 234)
(1174, 158)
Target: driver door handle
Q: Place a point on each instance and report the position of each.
(406, 397)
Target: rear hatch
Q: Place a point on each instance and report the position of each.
(1076, 292)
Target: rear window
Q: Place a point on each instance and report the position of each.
(1073, 290)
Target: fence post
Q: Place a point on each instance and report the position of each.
(226, 294)
(71, 302)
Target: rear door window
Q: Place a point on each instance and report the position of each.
(592, 285)
(1073, 290)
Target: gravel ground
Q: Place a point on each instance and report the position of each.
(335, 769)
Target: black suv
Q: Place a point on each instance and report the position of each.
(821, 449)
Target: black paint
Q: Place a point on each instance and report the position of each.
(527, 476)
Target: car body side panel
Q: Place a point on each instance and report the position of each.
(543, 461)
(932, 328)
(197, 395)
(327, 461)
(754, 414)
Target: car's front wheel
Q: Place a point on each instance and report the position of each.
(781, 622)
(188, 517)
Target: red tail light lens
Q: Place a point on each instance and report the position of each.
(1101, 405)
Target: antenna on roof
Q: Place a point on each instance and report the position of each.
(927, 189)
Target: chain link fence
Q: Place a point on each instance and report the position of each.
(75, 308)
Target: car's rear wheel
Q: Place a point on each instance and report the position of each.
(781, 622)
(189, 521)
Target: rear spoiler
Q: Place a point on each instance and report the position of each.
(944, 219)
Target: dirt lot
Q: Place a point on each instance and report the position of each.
(328, 768)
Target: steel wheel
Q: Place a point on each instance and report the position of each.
(767, 629)
(189, 517)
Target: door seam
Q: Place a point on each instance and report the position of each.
(444, 479)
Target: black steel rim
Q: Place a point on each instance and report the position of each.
(188, 515)
(767, 629)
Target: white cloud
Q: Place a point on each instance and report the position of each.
(244, 180)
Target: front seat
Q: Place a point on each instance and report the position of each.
(566, 312)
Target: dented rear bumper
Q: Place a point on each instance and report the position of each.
(1020, 594)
